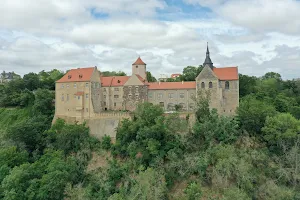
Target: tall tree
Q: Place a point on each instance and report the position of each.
(150, 78)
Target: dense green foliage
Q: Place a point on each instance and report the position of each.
(255, 155)
(113, 73)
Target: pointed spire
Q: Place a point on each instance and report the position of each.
(139, 62)
(207, 59)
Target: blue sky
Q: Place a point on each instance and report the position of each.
(256, 35)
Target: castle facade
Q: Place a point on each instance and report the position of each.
(83, 94)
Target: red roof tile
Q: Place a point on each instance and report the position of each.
(76, 75)
(175, 75)
(139, 62)
(141, 79)
(172, 85)
(114, 81)
(227, 73)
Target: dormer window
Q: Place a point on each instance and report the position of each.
(69, 76)
(119, 81)
(80, 75)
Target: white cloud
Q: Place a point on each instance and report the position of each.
(259, 15)
(64, 34)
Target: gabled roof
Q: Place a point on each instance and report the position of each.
(77, 75)
(226, 73)
(139, 62)
(141, 79)
(172, 85)
(113, 81)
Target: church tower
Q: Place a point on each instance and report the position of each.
(207, 59)
(139, 68)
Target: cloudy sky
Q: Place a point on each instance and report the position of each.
(256, 35)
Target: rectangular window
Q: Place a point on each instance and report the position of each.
(160, 96)
(115, 104)
(62, 86)
(67, 85)
(130, 96)
(62, 97)
(74, 96)
(116, 89)
(67, 97)
(87, 96)
(86, 84)
(181, 95)
(136, 88)
(104, 96)
(87, 110)
(150, 95)
(116, 96)
(136, 96)
(171, 95)
(75, 85)
(78, 97)
(104, 103)
(104, 89)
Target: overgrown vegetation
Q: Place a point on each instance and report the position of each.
(255, 155)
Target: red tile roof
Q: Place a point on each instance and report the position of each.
(113, 81)
(139, 62)
(227, 73)
(175, 75)
(172, 85)
(77, 75)
(141, 79)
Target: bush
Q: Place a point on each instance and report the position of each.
(106, 142)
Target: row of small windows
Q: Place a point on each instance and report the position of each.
(75, 97)
(94, 85)
(210, 85)
(170, 95)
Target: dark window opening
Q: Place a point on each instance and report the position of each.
(227, 85)
(202, 85)
(210, 85)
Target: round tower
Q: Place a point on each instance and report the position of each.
(139, 68)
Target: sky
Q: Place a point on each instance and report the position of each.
(258, 36)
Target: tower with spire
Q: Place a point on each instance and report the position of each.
(139, 68)
(207, 59)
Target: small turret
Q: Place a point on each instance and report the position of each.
(139, 68)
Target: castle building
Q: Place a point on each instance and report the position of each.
(83, 93)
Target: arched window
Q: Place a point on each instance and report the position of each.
(227, 85)
(202, 85)
(210, 85)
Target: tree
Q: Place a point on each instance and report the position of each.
(247, 85)
(28, 133)
(273, 75)
(150, 78)
(252, 114)
(281, 129)
(31, 81)
(190, 73)
(150, 184)
(113, 73)
(44, 102)
(193, 191)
